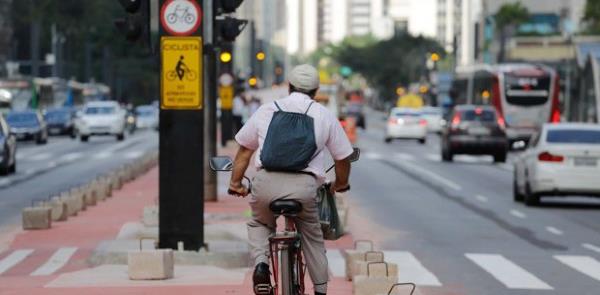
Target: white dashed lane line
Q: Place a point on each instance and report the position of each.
(591, 247)
(518, 214)
(554, 230)
(481, 198)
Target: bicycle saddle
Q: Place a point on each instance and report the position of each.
(286, 207)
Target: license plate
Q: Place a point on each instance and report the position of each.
(479, 131)
(21, 136)
(586, 162)
(54, 130)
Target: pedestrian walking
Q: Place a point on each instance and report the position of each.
(237, 112)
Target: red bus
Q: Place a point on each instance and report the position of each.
(525, 95)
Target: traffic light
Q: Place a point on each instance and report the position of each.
(252, 81)
(227, 27)
(225, 57)
(260, 56)
(136, 25)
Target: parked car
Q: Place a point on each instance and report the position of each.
(406, 123)
(147, 117)
(28, 125)
(434, 117)
(8, 149)
(101, 118)
(356, 111)
(561, 160)
(474, 130)
(61, 121)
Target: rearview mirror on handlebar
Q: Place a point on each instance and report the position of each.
(355, 155)
(221, 163)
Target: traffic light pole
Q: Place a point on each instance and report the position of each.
(181, 144)
(210, 106)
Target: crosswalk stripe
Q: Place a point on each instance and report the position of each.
(584, 264)
(410, 269)
(507, 272)
(336, 262)
(13, 259)
(57, 261)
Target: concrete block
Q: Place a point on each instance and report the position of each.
(72, 209)
(365, 285)
(59, 209)
(78, 200)
(402, 288)
(89, 196)
(363, 268)
(37, 218)
(150, 217)
(353, 257)
(151, 264)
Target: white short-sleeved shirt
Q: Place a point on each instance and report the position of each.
(329, 133)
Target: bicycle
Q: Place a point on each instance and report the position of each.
(181, 14)
(285, 248)
(188, 75)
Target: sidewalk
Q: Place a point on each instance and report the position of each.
(55, 261)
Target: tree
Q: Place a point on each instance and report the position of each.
(389, 63)
(508, 17)
(591, 16)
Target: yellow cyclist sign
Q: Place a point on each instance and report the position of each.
(181, 72)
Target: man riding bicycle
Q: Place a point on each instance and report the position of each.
(300, 182)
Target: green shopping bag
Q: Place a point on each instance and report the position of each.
(329, 218)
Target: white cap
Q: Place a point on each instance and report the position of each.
(304, 77)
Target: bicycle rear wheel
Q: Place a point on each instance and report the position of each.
(288, 273)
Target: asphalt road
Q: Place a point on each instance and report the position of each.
(454, 228)
(63, 163)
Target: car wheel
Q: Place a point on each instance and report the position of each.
(422, 140)
(4, 169)
(73, 134)
(388, 140)
(530, 198)
(447, 156)
(500, 158)
(13, 167)
(84, 138)
(121, 137)
(517, 196)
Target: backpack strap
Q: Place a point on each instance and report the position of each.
(278, 106)
(310, 105)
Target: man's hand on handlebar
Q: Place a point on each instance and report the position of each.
(238, 190)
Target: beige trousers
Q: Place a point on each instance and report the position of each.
(270, 186)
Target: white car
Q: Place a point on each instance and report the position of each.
(146, 117)
(434, 117)
(101, 118)
(406, 123)
(561, 160)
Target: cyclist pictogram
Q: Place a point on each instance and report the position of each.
(181, 71)
(181, 14)
(180, 17)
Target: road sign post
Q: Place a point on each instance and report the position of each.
(181, 191)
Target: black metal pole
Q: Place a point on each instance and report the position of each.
(210, 177)
(181, 146)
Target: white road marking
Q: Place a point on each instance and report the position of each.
(584, 264)
(410, 269)
(13, 259)
(517, 213)
(507, 167)
(405, 156)
(481, 198)
(103, 155)
(71, 157)
(133, 155)
(435, 176)
(591, 247)
(5, 181)
(56, 262)
(554, 230)
(507, 272)
(373, 156)
(52, 164)
(40, 157)
(336, 262)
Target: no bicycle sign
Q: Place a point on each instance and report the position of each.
(180, 17)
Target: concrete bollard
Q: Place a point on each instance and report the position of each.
(376, 281)
(59, 209)
(361, 269)
(358, 266)
(72, 208)
(151, 264)
(358, 254)
(77, 196)
(89, 195)
(37, 218)
(405, 288)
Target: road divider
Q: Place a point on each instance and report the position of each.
(59, 207)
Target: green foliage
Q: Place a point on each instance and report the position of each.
(389, 63)
(591, 16)
(511, 14)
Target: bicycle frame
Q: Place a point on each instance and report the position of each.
(288, 239)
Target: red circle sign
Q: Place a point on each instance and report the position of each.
(180, 17)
